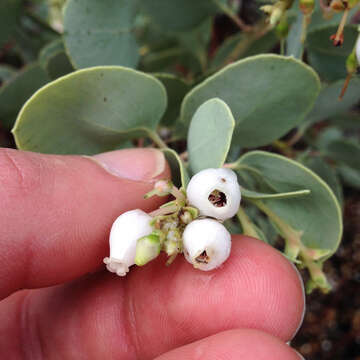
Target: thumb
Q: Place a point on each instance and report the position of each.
(57, 211)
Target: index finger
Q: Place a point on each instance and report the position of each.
(155, 308)
(56, 211)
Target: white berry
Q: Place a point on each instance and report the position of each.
(207, 244)
(125, 232)
(215, 193)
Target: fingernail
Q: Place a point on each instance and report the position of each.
(133, 164)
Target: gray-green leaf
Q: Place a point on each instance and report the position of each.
(317, 215)
(267, 94)
(15, 92)
(210, 135)
(179, 174)
(91, 111)
(175, 15)
(324, 57)
(100, 32)
(328, 104)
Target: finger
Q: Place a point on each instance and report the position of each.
(244, 344)
(57, 210)
(157, 308)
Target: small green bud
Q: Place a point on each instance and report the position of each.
(282, 28)
(188, 214)
(161, 188)
(267, 9)
(172, 247)
(173, 235)
(276, 15)
(147, 249)
(351, 63)
(337, 5)
(352, 3)
(307, 6)
(276, 11)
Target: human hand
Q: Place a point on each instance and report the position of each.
(55, 216)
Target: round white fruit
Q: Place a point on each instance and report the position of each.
(215, 193)
(207, 244)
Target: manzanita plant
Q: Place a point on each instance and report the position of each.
(252, 115)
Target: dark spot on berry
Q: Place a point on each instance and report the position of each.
(203, 258)
(105, 99)
(217, 198)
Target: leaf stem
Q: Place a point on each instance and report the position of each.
(246, 224)
(294, 248)
(339, 36)
(157, 139)
(282, 46)
(292, 237)
(164, 211)
(39, 21)
(232, 15)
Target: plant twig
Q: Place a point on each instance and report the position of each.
(233, 16)
(246, 224)
(39, 21)
(292, 237)
(154, 136)
(164, 211)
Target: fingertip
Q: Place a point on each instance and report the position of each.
(256, 288)
(274, 281)
(245, 344)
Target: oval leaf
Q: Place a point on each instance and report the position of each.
(327, 173)
(267, 94)
(9, 14)
(176, 89)
(171, 15)
(318, 214)
(100, 32)
(15, 92)
(90, 111)
(328, 105)
(344, 151)
(179, 174)
(210, 135)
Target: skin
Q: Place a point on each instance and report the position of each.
(59, 302)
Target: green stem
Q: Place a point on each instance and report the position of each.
(317, 275)
(164, 211)
(294, 247)
(292, 237)
(282, 46)
(246, 224)
(157, 139)
(39, 21)
(232, 15)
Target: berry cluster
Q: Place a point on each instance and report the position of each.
(189, 224)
